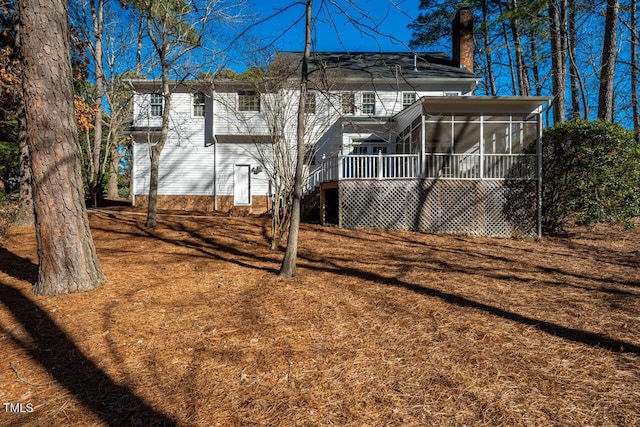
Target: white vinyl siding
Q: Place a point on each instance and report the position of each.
(174, 177)
(189, 170)
(231, 154)
(229, 121)
(188, 162)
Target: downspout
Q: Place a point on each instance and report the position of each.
(215, 173)
(215, 150)
(132, 180)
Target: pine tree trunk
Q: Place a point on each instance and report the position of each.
(573, 69)
(66, 254)
(97, 178)
(608, 62)
(634, 70)
(487, 50)
(523, 79)
(557, 61)
(535, 67)
(505, 35)
(289, 263)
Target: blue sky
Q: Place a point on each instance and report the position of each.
(387, 19)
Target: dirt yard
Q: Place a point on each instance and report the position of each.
(194, 328)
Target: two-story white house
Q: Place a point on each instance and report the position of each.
(396, 140)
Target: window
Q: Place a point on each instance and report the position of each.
(309, 155)
(408, 98)
(310, 105)
(198, 104)
(348, 102)
(248, 100)
(379, 150)
(156, 104)
(368, 103)
(359, 150)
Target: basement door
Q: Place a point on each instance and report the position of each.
(242, 185)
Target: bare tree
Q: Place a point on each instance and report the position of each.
(289, 263)
(278, 93)
(88, 19)
(66, 254)
(119, 98)
(12, 109)
(174, 29)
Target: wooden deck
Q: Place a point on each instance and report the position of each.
(491, 195)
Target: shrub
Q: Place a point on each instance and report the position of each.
(591, 173)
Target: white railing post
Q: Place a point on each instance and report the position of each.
(380, 171)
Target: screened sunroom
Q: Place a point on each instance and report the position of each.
(473, 137)
(468, 165)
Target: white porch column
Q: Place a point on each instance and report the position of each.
(423, 147)
(482, 146)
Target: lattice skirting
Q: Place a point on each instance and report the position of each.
(486, 208)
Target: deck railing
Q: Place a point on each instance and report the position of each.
(510, 166)
(436, 166)
(379, 166)
(452, 166)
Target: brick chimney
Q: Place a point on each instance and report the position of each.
(462, 26)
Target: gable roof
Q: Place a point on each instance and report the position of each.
(406, 66)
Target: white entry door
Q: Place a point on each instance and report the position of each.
(242, 185)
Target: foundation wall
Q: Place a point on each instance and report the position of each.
(259, 204)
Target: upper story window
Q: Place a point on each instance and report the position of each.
(368, 103)
(248, 100)
(348, 102)
(408, 98)
(198, 104)
(309, 155)
(157, 102)
(310, 104)
(359, 150)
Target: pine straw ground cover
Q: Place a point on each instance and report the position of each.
(379, 328)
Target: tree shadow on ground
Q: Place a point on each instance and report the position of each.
(576, 335)
(114, 404)
(241, 255)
